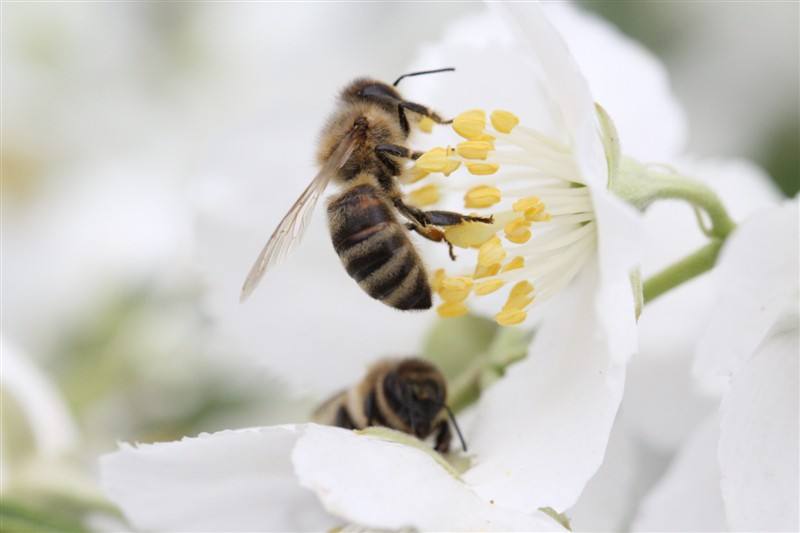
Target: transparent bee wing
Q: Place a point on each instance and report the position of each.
(291, 229)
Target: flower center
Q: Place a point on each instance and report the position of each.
(544, 227)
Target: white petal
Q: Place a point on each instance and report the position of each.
(758, 445)
(619, 245)
(383, 484)
(565, 84)
(757, 282)
(688, 496)
(626, 79)
(544, 428)
(228, 481)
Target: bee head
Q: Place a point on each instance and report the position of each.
(416, 392)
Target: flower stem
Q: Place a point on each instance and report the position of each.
(691, 266)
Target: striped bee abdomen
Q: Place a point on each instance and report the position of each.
(376, 251)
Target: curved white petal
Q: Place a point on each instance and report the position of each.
(619, 244)
(389, 485)
(566, 86)
(688, 496)
(568, 390)
(758, 444)
(757, 283)
(44, 410)
(626, 79)
(228, 481)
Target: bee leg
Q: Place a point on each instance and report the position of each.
(451, 218)
(414, 214)
(433, 234)
(397, 150)
(443, 437)
(422, 110)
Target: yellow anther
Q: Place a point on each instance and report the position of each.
(485, 271)
(524, 204)
(517, 262)
(510, 317)
(504, 121)
(537, 215)
(489, 286)
(491, 252)
(427, 195)
(474, 149)
(452, 309)
(470, 124)
(485, 137)
(414, 175)
(521, 288)
(434, 160)
(426, 124)
(518, 231)
(482, 169)
(469, 234)
(455, 289)
(436, 279)
(481, 196)
(451, 166)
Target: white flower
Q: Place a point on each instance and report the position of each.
(540, 433)
(265, 479)
(746, 456)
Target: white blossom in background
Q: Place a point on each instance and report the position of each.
(569, 387)
(664, 405)
(745, 457)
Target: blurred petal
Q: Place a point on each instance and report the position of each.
(568, 389)
(388, 485)
(626, 79)
(44, 410)
(228, 481)
(688, 496)
(757, 282)
(758, 445)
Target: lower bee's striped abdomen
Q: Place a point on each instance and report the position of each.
(376, 251)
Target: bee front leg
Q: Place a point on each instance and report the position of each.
(443, 437)
(433, 234)
(451, 218)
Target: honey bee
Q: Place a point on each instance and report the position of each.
(408, 395)
(362, 147)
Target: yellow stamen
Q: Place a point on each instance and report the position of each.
(470, 124)
(518, 231)
(524, 204)
(474, 234)
(489, 286)
(510, 317)
(436, 279)
(414, 175)
(482, 169)
(491, 252)
(481, 196)
(434, 160)
(521, 288)
(517, 262)
(426, 124)
(504, 121)
(427, 195)
(520, 296)
(451, 166)
(537, 215)
(485, 271)
(474, 149)
(455, 289)
(452, 309)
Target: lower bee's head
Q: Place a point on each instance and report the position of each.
(416, 391)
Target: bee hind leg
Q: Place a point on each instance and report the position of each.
(451, 218)
(433, 234)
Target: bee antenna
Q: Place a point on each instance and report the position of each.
(421, 72)
(458, 430)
